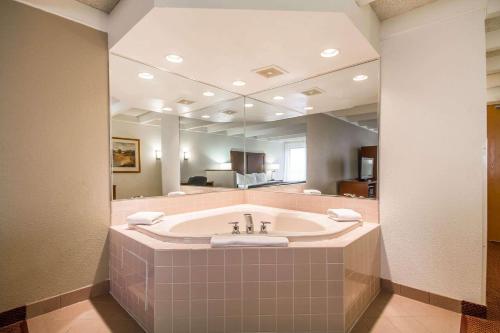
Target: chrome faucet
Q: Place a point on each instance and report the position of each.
(236, 228)
(263, 227)
(249, 223)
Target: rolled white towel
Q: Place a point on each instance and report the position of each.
(144, 218)
(312, 192)
(344, 215)
(248, 241)
(176, 194)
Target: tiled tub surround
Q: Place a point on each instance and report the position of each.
(321, 286)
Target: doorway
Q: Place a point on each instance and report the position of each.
(493, 181)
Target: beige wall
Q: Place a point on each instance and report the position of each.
(54, 175)
(432, 156)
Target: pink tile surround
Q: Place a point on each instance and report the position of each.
(321, 286)
(368, 208)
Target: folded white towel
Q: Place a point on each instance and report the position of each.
(313, 192)
(344, 215)
(248, 241)
(144, 218)
(176, 194)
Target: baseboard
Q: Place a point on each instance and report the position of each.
(12, 316)
(422, 296)
(53, 303)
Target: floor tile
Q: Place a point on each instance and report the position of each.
(387, 314)
(395, 313)
(100, 315)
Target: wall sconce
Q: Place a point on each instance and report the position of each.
(158, 154)
(186, 156)
(273, 167)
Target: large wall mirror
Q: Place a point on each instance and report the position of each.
(326, 129)
(173, 136)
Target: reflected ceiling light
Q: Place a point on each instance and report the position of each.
(307, 108)
(279, 113)
(176, 59)
(146, 76)
(248, 105)
(278, 98)
(208, 94)
(239, 83)
(360, 77)
(206, 116)
(328, 53)
(167, 108)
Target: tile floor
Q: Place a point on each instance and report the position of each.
(387, 314)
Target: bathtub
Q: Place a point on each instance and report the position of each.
(198, 227)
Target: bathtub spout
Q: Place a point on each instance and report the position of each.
(249, 223)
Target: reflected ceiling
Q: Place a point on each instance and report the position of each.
(143, 101)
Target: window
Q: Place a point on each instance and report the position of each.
(295, 161)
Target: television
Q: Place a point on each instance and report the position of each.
(366, 168)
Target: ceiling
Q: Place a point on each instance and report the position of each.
(218, 47)
(386, 9)
(383, 8)
(103, 5)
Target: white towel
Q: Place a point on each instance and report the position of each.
(313, 192)
(176, 194)
(144, 218)
(344, 215)
(248, 241)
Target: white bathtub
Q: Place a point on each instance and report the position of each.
(198, 227)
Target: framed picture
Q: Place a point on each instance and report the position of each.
(126, 155)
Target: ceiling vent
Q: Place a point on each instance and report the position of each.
(229, 112)
(184, 101)
(270, 71)
(312, 92)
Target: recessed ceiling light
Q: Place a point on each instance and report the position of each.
(248, 105)
(208, 94)
(307, 108)
(167, 108)
(328, 53)
(206, 116)
(176, 59)
(146, 76)
(279, 113)
(239, 83)
(278, 98)
(360, 77)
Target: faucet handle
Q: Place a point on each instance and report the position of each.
(263, 227)
(236, 227)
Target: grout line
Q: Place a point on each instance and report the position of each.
(310, 290)
(241, 291)
(293, 289)
(189, 287)
(224, 290)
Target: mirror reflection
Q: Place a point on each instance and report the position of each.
(173, 136)
(208, 139)
(327, 127)
(166, 131)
